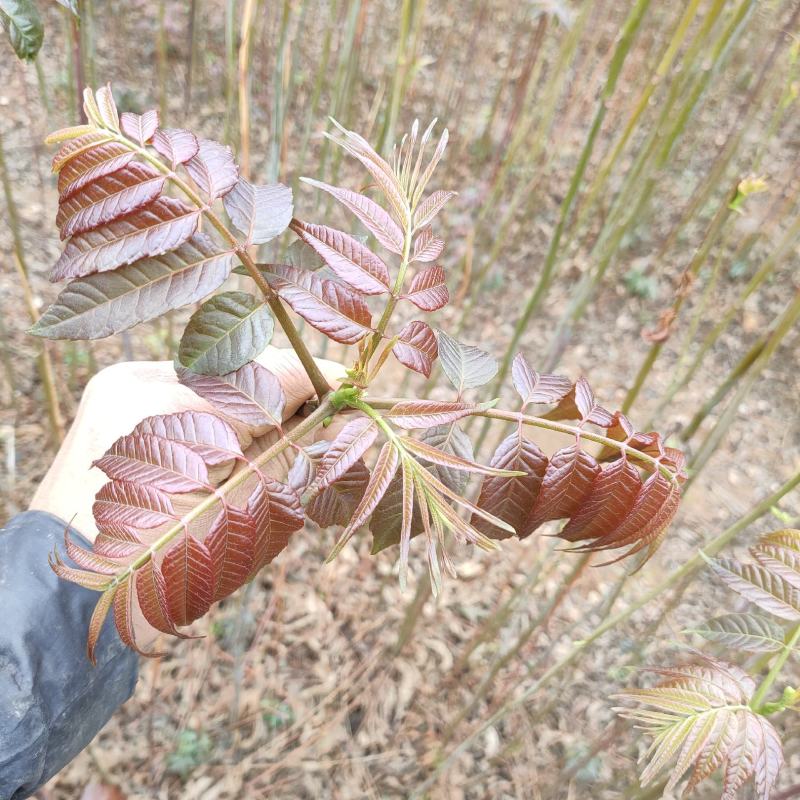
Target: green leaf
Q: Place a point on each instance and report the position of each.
(752, 633)
(466, 366)
(22, 24)
(225, 333)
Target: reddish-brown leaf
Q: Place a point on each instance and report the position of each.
(80, 144)
(231, 544)
(251, 394)
(176, 145)
(205, 434)
(189, 574)
(512, 498)
(427, 247)
(354, 439)
(371, 215)
(580, 404)
(96, 622)
(412, 414)
(416, 347)
(610, 499)
(213, 169)
(91, 164)
(123, 614)
(534, 387)
(428, 289)
(152, 230)
(259, 212)
(566, 484)
(124, 503)
(139, 127)
(335, 504)
(151, 594)
(278, 514)
(144, 459)
(108, 198)
(430, 207)
(338, 312)
(354, 263)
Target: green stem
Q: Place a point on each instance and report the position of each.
(757, 700)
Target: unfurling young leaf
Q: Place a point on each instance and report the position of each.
(225, 333)
(259, 212)
(466, 366)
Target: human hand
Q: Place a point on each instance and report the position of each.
(118, 398)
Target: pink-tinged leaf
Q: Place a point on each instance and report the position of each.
(512, 498)
(139, 127)
(96, 622)
(566, 484)
(153, 461)
(231, 543)
(354, 263)
(382, 474)
(416, 347)
(430, 207)
(91, 164)
(109, 302)
(449, 439)
(358, 147)
(259, 212)
(176, 145)
(206, 434)
(123, 614)
(335, 504)
(579, 403)
(355, 438)
(304, 468)
(588, 406)
(441, 145)
(107, 107)
(81, 144)
(769, 755)
(428, 289)
(87, 559)
(610, 499)
(427, 413)
(251, 394)
(407, 521)
(213, 168)
(112, 544)
(370, 214)
(122, 503)
(427, 247)
(278, 514)
(189, 574)
(160, 226)
(451, 461)
(108, 198)
(151, 594)
(534, 387)
(759, 586)
(97, 582)
(338, 312)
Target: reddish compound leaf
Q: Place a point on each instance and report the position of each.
(416, 347)
(160, 226)
(335, 310)
(427, 247)
(213, 169)
(149, 460)
(512, 498)
(430, 207)
(109, 302)
(354, 263)
(565, 486)
(412, 414)
(251, 394)
(533, 387)
(259, 212)
(189, 574)
(80, 144)
(231, 544)
(176, 145)
(91, 164)
(96, 622)
(355, 438)
(276, 509)
(335, 504)
(213, 439)
(139, 127)
(428, 289)
(371, 215)
(108, 198)
(151, 594)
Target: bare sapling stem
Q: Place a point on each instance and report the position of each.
(245, 53)
(44, 362)
(230, 69)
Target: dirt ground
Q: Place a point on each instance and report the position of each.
(298, 688)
